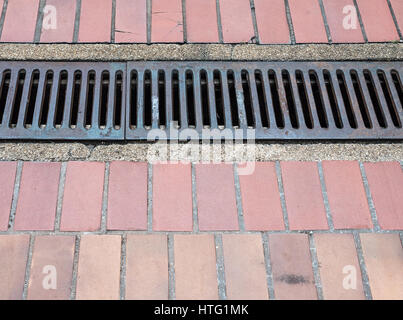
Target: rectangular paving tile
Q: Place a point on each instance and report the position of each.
(37, 200)
(14, 255)
(166, 21)
(307, 21)
(292, 267)
(383, 256)
(127, 196)
(397, 6)
(303, 195)
(216, 197)
(147, 267)
(58, 21)
(245, 272)
(340, 272)
(236, 21)
(343, 22)
(7, 179)
(201, 21)
(385, 181)
(261, 198)
(377, 20)
(131, 21)
(20, 21)
(195, 267)
(272, 22)
(98, 276)
(95, 21)
(172, 197)
(82, 201)
(51, 268)
(347, 199)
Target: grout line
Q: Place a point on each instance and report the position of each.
(315, 266)
(364, 34)
(364, 274)
(149, 19)
(194, 198)
(219, 23)
(392, 12)
(171, 268)
(371, 205)
(184, 25)
(15, 196)
(73, 291)
(254, 22)
(401, 238)
(123, 268)
(269, 271)
(219, 251)
(282, 195)
(59, 206)
(39, 21)
(3, 16)
(104, 215)
(113, 21)
(328, 33)
(150, 198)
(238, 196)
(28, 267)
(77, 21)
(325, 197)
(289, 21)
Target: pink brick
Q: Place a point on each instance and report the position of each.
(14, 254)
(292, 267)
(200, 29)
(337, 18)
(95, 21)
(147, 267)
(52, 255)
(167, 24)
(65, 17)
(272, 21)
(303, 195)
(216, 197)
(308, 22)
(377, 20)
(236, 21)
(261, 198)
(82, 202)
(386, 186)
(347, 200)
(36, 208)
(131, 21)
(20, 22)
(397, 6)
(172, 197)
(7, 179)
(127, 196)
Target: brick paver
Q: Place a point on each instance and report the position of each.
(201, 18)
(131, 21)
(397, 6)
(167, 21)
(7, 178)
(95, 21)
(51, 268)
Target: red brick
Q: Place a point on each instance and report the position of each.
(261, 198)
(147, 267)
(65, 18)
(57, 252)
(347, 200)
(272, 21)
(386, 186)
(82, 202)
(95, 21)
(216, 197)
(14, 254)
(307, 21)
(336, 20)
(199, 27)
(131, 21)
(167, 21)
(337, 257)
(377, 20)
(292, 267)
(20, 21)
(303, 195)
(397, 6)
(195, 267)
(383, 255)
(98, 275)
(7, 179)
(36, 208)
(172, 197)
(245, 271)
(127, 196)
(236, 21)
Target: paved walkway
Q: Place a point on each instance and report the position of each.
(202, 21)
